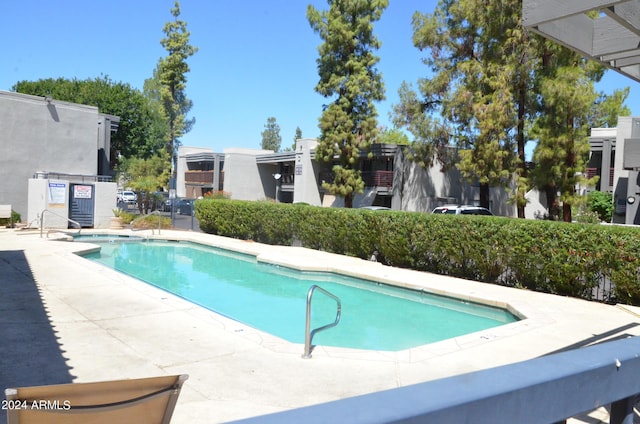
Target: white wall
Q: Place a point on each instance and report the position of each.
(243, 179)
(105, 203)
(42, 196)
(306, 174)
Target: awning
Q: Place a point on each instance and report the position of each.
(611, 38)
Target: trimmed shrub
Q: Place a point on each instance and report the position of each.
(552, 257)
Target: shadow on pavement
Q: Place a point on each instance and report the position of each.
(608, 336)
(30, 354)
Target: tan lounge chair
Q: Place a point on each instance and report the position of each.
(145, 400)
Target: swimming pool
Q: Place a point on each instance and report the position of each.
(273, 298)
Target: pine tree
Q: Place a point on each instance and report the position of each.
(172, 71)
(271, 138)
(296, 137)
(565, 84)
(346, 66)
(475, 100)
(491, 80)
(608, 108)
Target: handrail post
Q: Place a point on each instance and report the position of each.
(308, 333)
(76, 223)
(307, 325)
(622, 411)
(144, 216)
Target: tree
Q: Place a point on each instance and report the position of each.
(271, 138)
(171, 72)
(567, 94)
(393, 136)
(346, 66)
(296, 137)
(145, 176)
(607, 109)
(475, 100)
(141, 131)
(152, 91)
(431, 133)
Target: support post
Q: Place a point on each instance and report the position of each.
(622, 411)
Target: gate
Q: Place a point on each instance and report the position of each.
(81, 204)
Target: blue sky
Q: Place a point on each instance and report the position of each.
(256, 59)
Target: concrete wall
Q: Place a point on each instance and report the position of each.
(420, 189)
(36, 135)
(625, 182)
(536, 205)
(306, 173)
(105, 203)
(55, 200)
(243, 179)
(53, 196)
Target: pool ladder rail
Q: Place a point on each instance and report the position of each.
(61, 231)
(308, 333)
(141, 217)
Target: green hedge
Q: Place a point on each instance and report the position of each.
(552, 257)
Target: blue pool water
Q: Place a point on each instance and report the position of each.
(273, 299)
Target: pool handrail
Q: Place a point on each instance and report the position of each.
(144, 216)
(76, 223)
(308, 333)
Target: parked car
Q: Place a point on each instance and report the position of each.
(161, 201)
(128, 196)
(462, 210)
(185, 206)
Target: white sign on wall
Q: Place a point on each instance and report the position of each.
(82, 191)
(57, 192)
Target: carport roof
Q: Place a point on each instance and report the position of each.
(611, 38)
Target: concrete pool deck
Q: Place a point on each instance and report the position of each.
(66, 319)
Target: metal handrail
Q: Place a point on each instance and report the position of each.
(144, 216)
(308, 334)
(76, 223)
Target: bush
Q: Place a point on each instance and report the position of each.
(553, 257)
(151, 221)
(601, 203)
(147, 222)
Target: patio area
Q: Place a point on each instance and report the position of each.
(66, 319)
